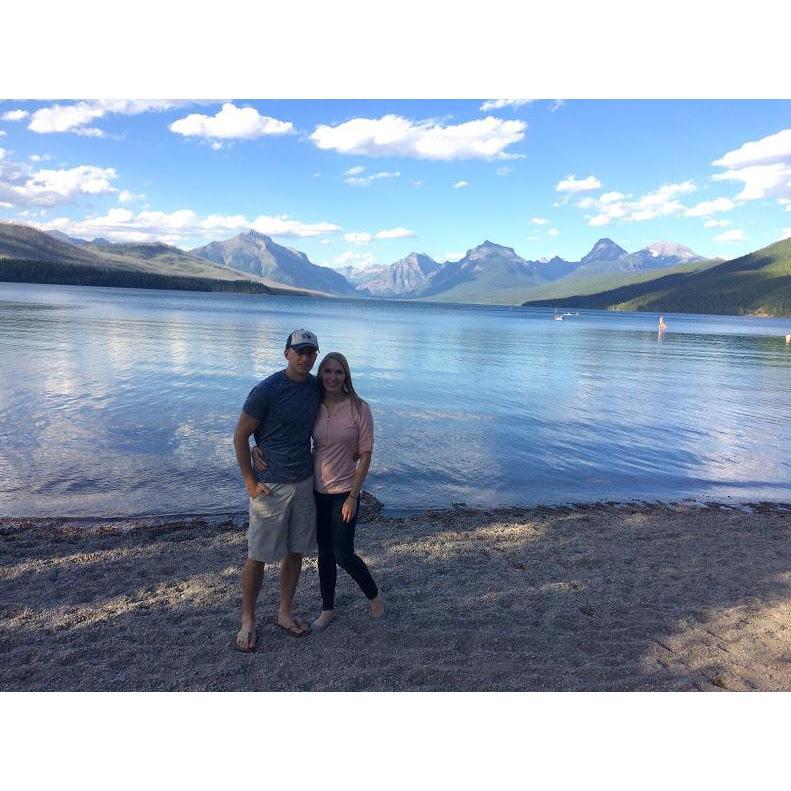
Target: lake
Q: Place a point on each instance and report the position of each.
(123, 402)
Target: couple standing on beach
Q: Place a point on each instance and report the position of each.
(299, 499)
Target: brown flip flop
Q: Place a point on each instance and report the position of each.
(294, 629)
(248, 630)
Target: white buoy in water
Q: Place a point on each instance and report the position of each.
(788, 338)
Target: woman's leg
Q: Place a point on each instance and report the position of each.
(327, 571)
(343, 548)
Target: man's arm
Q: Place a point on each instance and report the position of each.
(246, 426)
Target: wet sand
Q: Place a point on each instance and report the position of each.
(597, 597)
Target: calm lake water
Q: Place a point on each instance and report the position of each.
(121, 402)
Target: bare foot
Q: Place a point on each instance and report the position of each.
(324, 620)
(246, 637)
(377, 607)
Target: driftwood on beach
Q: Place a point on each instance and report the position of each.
(599, 597)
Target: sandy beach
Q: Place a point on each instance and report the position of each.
(593, 597)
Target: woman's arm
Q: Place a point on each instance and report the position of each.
(349, 508)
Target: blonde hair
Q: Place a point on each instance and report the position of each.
(348, 386)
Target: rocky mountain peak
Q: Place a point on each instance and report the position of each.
(488, 249)
(667, 249)
(604, 250)
(254, 236)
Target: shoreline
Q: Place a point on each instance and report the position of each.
(375, 512)
(590, 596)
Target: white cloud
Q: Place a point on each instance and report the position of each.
(785, 202)
(124, 225)
(499, 104)
(760, 181)
(2, 133)
(763, 166)
(417, 183)
(615, 206)
(121, 224)
(352, 258)
(89, 131)
(64, 118)
(358, 237)
(774, 149)
(76, 117)
(708, 207)
(556, 105)
(39, 157)
(785, 233)
(364, 181)
(453, 256)
(394, 135)
(716, 223)
(355, 171)
(504, 171)
(572, 184)
(395, 233)
(22, 186)
(736, 235)
(280, 225)
(216, 146)
(125, 196)
(539, 221)
(461, 185)
(15, 115)
(554, 232)
(231, 122)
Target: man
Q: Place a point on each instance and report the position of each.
(280, 412)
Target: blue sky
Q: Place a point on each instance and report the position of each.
(356, 182)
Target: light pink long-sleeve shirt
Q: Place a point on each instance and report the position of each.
(338, 440)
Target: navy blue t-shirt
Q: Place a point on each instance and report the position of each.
(286, 411)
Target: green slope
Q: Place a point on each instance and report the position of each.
(32, 256)
(582, 285)
(757, 283)
(499, 290)
(20, 271)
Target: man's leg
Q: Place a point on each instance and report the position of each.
(301, 539)
(266, 543)
(290, 568)
(252, 576)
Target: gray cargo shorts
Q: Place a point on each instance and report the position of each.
(281, 522)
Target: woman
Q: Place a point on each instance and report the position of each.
(342, 448)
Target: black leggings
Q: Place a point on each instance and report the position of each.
(336, 545)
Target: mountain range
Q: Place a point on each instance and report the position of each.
(758, 283)
(256, 254)
(23, 243)
(489, 273)
(493, 273)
